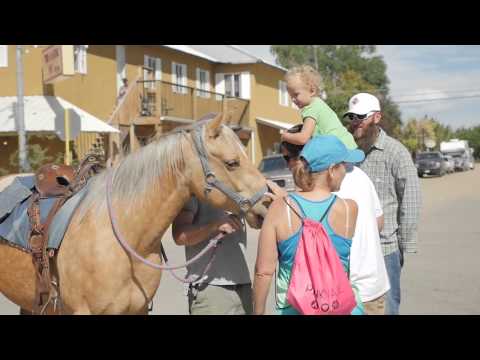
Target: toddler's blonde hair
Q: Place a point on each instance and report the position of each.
(308, 75)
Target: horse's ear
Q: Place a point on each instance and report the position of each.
(214, 126)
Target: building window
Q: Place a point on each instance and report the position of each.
(203, 83)
(80, 58)
(232, 85)
(152, 71)
(3, 55)
(179, 78)
(283, 93)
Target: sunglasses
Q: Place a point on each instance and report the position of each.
(354, 117)
(290, 157)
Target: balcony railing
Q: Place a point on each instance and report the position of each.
(169, 100)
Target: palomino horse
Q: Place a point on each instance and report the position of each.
(150, 186)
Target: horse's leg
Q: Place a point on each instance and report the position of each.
(17, 279)
(17, 276)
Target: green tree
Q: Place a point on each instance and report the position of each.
(416, 131)
(442, 132)
(37, 156)
(409, 135)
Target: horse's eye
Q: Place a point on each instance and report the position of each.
(232, 164)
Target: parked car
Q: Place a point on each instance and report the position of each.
(461, 162)
(449, 163)
(461, 152)
(274, 168)
(430, 163)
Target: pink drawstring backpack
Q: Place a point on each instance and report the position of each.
(319, 284)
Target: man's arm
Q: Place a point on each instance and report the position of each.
(378, 207)
(185, 233)
(407, 188)
(380, 222)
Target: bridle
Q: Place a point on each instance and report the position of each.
(210, 182)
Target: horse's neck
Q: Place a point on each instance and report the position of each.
(148, 218)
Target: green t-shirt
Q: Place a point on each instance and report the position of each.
(327, 122)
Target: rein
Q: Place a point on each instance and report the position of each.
(211, 182)
(126, 246)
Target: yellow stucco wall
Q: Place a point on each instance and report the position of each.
(265, 95)
(265, 103)
(32, 72)
(96, 91)
(135, 60)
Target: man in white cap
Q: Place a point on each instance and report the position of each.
(389, 165)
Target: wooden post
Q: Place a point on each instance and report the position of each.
(224, 104)
(159, 98)
(132, 138)
(158, 128)
(194, 103)
(67, 137)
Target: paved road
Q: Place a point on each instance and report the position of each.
(441, 279)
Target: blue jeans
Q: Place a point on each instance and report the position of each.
(393, 263)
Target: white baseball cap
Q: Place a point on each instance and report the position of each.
(362, 104)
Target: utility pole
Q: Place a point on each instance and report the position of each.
(20, 115)
(423, 139)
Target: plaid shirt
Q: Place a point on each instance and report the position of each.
(390, 167)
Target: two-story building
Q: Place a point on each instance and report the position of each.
(168, 86)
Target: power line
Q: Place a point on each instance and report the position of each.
(434, 92)
(410, 94)
(420, 100)
(437, 99)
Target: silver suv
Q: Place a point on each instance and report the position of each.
(274, 168)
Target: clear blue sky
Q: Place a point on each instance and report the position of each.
(424, 72)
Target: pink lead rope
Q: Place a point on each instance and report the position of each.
(213, 243)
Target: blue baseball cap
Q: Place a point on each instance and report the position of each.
(322, 151)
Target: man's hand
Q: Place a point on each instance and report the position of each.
(229, 224)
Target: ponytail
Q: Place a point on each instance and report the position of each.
(302, 176)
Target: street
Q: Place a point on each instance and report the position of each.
(440, 279)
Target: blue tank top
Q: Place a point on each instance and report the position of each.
(287, 249)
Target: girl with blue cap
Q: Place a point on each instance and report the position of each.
(323, 165)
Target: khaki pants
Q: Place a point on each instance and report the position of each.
(220, 300)
(375, 307)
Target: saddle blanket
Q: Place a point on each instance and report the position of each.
(15, 223)
(16, 192)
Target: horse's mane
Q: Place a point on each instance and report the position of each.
(139, 172)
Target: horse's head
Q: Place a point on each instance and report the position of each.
(225, 156)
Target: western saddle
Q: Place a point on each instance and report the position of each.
(61, 182)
